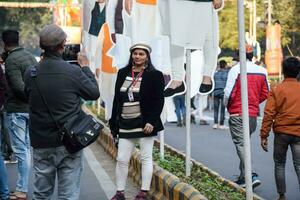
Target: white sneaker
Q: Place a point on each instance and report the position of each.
(215, 126)
(223, 127)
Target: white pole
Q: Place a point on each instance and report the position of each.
(162, 144)
(269, 12)
(244, 90)
(254, 20)
(250, 19)
(188, 114)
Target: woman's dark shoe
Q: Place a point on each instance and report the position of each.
(119, 196)
(170, 92)
(141, 196)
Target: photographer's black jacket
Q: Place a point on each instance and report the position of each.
(62, 85)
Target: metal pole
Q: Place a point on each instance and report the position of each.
(162, 144)
(188, 114)
(250, 19)
(244, 90)
(269, 12)
(254, 20)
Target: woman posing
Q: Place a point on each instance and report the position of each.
(137, 105)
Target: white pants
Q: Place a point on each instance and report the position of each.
(210, 54)
(193, 25)
(125, 149)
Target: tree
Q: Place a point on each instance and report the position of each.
(28, 21)
(287, 13)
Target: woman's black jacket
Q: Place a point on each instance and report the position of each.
(151, 99)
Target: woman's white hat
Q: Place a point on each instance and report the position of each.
(141, 46)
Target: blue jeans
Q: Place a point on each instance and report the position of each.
(218, 101)
(17, 124)
(50, 163)
(4, 192)
(180, 109)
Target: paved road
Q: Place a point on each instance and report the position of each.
(91, 186)
(215, 149)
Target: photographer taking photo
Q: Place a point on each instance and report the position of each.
(62, 86)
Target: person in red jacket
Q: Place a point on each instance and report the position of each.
(282, 112)
(257, 92)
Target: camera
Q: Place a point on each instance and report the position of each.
(70, 53)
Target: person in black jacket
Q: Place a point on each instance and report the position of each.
(137, 105)
(62, 85)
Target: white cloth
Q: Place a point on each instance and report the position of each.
(125, 149)
(193, 25)
(110, 14)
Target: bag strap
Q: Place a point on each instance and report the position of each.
(33, 73)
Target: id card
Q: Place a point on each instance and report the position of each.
(130, 95)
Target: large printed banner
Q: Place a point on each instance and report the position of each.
(97, 41)
(273, 57)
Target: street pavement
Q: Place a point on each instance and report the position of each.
(97, 180)
(90, 186)
(214, 148)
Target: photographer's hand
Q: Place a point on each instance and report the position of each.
(82, 59)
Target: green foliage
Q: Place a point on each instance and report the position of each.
(28, 21)
(201, 180)
(228, 23)
(287, 12)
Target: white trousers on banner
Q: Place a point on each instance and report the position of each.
(125, 149)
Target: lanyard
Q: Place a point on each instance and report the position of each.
(135, 80)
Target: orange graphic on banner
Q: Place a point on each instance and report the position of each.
(149, 2)
(273, 56)
(107, 45)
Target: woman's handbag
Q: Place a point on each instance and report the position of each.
(78, 131)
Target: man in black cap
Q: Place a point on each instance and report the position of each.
(62, 86)
(16, 63)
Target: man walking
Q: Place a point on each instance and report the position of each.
(16, 63)
(257, 92)
(282, 112)
(220, 83)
